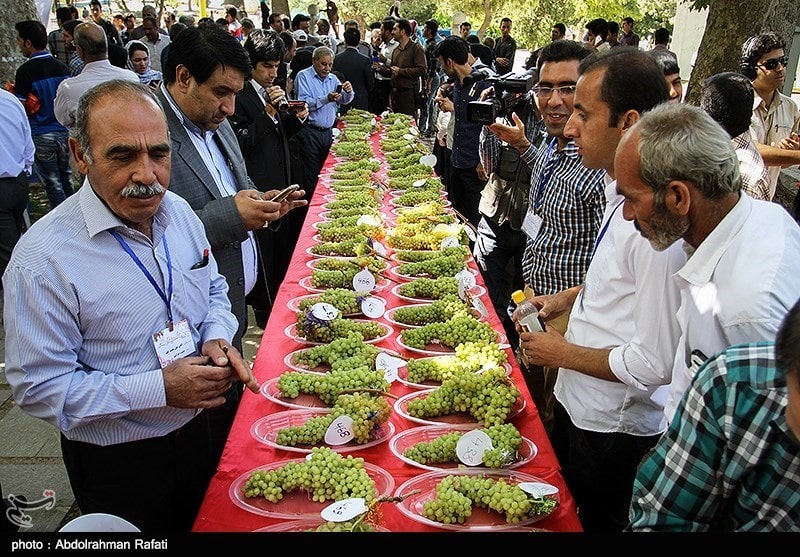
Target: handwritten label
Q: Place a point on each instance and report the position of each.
(369, 220)
(538, 489)
(471, 446)
(413, 130)
(340, 431)
(379, 248)
(470, 233)
(462, 291)
(419, 183)
(478, 304)
(466, 278)
(449, 242)
(325, 311)
(344, 510)
(408, 136)
(389, 365)
(363, 281)
(373, 307)
(428, 160)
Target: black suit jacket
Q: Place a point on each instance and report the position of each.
(357, 69)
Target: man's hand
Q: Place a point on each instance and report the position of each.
(221, 353)
(792, 142)
(513, 135)
(294, 200)
(553, 306)
(347, 86)
(481, 172)
(545, 349)
(255, 211)
(334, 97)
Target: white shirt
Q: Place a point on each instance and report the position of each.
(71, 89)
(16, 144)
(736, 287)
(769, 126)
(156, 49)
(628, 303)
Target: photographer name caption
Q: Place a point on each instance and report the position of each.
(86, 544)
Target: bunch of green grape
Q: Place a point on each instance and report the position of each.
(397, 145)
(352, 211)
(488, 397)
(341, 350)
(469, 357)
(353, 247)
(372, 165)
(338, 222)
(315, 330)
(350, 200)
(343, 278)
(333, 234)
(325, 476)
(398, 120)
(456, 495)
(440, 310)
(347, 526)
(330, 385)
(506, 442)
(362, 262)
(353, 180)
(354, 115)
(355, 132)
(415, 256)
(407, 160)
(369, 414)
(396, 132)
(359, 185)
(451, 333)
(444, 266)
(419, 170)
(355, 149)
(404, 183)
(414, 197)
(345, 300)
(428, 209)
(429, 289)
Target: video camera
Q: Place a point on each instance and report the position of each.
(509, 91)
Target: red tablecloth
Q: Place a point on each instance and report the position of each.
(243, 452)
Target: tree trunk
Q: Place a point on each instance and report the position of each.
(281, 7)
(728, 27)
(13, 11)
(487, 19)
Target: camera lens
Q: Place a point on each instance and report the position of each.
(282, 105)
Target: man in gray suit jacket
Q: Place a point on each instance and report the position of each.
(205, 69)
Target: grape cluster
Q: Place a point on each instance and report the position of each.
(326, 476)
(343, 349)
(488, 397)
(419, 170)
(314, 330)
(340, 234)
(369, 413)
(444, 266)
(428, 288)
(362, 262)
(429, 209)
(456, 495)
(346, 301)
(506, 442)
(330, 385)
(451, 333)
(373, 165)
(353, 247)
(352, 212)
(406, 182)
(342, 278)
(352, 149)
(347, 526)
(440, 310)
(415, 256)
(350, 200)
(469, 357)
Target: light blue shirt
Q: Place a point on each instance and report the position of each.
(80, 314)
(314, 90)
(16, 145)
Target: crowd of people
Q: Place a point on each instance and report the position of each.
(641, 227)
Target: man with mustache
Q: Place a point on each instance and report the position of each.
(118, 325)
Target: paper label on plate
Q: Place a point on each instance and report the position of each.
(462, 291)
(478, 304)
(419, 183)
(466, 278)
(449, 242)
(408, 136)
(379, 248)
(413, 131)
(363, 281)
(344, 510)
(470, 234)
(428, 160)
(373, 307)
(389, 365)
(369, 220)
(373, 121)
(538, 489)
(325, 311)
(340, 431)
(471, 446)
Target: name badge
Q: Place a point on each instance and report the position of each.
(531, 224)
(174, 344)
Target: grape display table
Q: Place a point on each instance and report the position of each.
(243, 452)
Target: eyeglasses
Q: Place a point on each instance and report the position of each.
(546, 92)
(772, 63)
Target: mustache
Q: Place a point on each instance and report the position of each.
(143, 190)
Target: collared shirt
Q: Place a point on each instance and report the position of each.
(16, 145)
(626, 305)
(80, 315)
(729, 461)
(769, 126)
(489, 144)
(56, 46)
(386, 50)
(41, 75)
(755, 177)
(505, 48)
(570, 200)
(71, 89)
(411, 61)
(430, 55)
(314, 90)
(155, 49)
(736, 287)
(465, 133)
(363, 48)
(219, 167)
(75, 64)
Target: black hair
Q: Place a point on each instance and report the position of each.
(561, 27)
(661, 36)
(562, 50)
(202, 50)
(728, 99)
(599, 27)
(473, 39)
(175, 29)
(453, 48)
(298, 19)
(63, 14)
(264, 45)
(667, 60)
(787, 343)
(32, 30)
(433, 25)
(70, 25)
(351, 36)
(613, 28)
(754, 48)
(633, 80)
(287, 38)
(405, 25)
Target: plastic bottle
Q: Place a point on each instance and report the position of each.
(526, 313)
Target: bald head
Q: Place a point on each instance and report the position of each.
(90, 40)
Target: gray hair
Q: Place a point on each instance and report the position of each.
(122, 90)
(321, 51)
(682, 142)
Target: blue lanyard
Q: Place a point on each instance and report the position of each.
(605, 226)
(166, 297)
(545, 176)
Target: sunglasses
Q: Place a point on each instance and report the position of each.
(772, 63)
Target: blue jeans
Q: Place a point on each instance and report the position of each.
(427, 119)
(51, 163)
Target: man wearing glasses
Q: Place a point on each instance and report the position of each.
(776, 118)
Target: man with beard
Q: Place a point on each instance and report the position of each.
(679, 175)
(118, 326)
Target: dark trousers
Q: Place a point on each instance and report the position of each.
(465, 189)
(404, 101)
(317, 144)
(379, 96)
(599, 469)
(796, 206)
(442, 166)
(498, 253)
(13, 202)
(156, 484)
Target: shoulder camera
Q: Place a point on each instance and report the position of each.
(510, 90)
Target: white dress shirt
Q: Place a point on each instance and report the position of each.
(16, 144)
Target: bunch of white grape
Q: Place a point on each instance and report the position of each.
(325, 476)
(469, 357)
(316, 330)
(373, 165)
(440, 310)
(342, 349)
(345, 300)
(353, 247)
(451, 333)
(506, 442)
(342, 233)
(329, 386)
(353, 149)
(444, 266)
(415, 256)
(427, 288)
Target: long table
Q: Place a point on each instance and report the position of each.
(244, 453)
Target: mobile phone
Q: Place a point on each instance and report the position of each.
(284, 193)
(297, 105)
(339, 88)
(154, 83)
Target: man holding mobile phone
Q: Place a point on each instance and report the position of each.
(263, 133)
